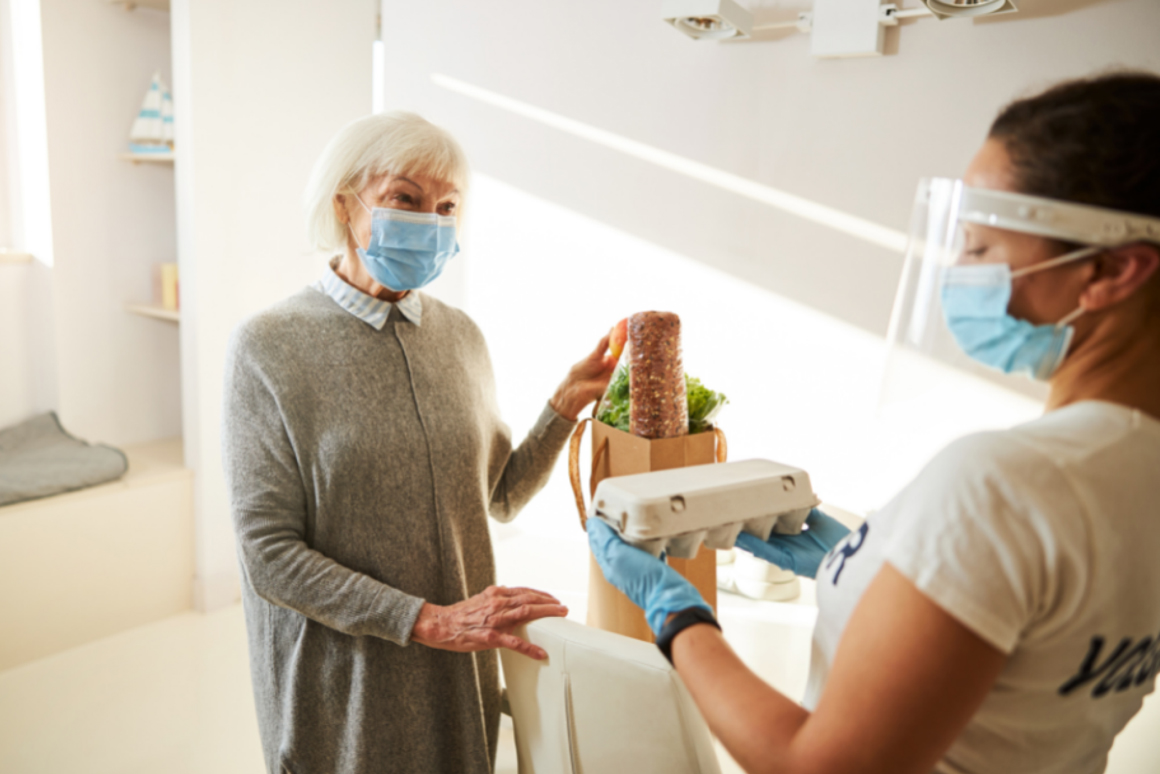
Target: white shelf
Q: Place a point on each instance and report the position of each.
(157, 312)
(148, 158)
(14, 257)
(131, 5)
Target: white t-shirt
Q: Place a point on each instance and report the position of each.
(1045, 541)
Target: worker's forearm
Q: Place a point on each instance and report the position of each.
(756, 724)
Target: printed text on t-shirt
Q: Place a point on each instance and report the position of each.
(845, 549)
(1130, 663)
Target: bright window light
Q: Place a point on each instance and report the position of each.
(25, 73)
(378, 77)
(803, 386)
(815, 212)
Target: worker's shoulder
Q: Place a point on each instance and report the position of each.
(984, 476)
(287, 322)
(1082, 432)
(1062, 440)
(1008, 458)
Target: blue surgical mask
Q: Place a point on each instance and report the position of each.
(975, 300)
(407, 250)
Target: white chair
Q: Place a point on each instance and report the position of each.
(601, 704)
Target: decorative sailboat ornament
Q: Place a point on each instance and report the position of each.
(152, 130)
(167, 115)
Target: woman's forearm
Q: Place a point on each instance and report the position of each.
(285, 571)
(754, 722)
(529, 466)
(568, 402)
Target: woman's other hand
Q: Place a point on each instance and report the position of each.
(486, 621)
(585, 383)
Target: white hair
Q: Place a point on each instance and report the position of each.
(394, 143)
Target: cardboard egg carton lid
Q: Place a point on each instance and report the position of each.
(649, 509)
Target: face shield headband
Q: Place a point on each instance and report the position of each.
(951, 312)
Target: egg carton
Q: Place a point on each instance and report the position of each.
(677, 510)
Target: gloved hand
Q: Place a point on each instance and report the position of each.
(801, 554)
(651, 584)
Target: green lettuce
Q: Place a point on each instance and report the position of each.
(704, 404)
(614, 407)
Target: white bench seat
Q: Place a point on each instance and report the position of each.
(88, 564)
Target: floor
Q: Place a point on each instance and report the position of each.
(175, 696)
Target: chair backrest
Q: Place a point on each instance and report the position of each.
(602, 704)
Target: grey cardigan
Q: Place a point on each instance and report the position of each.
(362, 465)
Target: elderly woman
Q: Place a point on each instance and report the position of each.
(364, 451)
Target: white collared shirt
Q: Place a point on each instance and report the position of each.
(373, 311)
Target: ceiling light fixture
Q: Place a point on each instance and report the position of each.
(839, 28)
(708, 19)
(952, 9)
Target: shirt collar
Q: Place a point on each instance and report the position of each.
(373, 311)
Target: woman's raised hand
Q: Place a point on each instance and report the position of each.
(585, 383)
(486, 621)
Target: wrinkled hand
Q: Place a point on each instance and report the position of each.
(651, 584)
(801, 554)
(586, 382)
(486, 621)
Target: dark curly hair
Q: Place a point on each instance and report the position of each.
(1094, 141)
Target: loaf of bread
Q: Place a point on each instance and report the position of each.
(659, 408)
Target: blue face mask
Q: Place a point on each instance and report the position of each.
(407, 250)
(975, 300)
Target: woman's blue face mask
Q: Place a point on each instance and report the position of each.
(975, 300)
(407, 250)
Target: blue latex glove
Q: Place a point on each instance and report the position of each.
(802, 554)
(651, 584)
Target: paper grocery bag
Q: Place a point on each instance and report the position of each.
(616, 453)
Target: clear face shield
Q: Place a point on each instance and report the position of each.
(957, 360)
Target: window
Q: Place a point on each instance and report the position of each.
(25, 217)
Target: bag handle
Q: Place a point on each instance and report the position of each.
(574, 470)
(722, 445)
(574, 464)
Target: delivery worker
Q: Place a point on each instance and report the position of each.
(1002, 613)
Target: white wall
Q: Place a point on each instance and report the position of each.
(96, 224)
(259, 89)
(117, 374)
(853, 134)
(754, 283)
(65, 340)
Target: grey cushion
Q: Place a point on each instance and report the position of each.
(39, 459)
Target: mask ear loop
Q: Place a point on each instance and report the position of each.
(1063, 326)
(1066, 321)
(1075, 255)
(351, 228)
